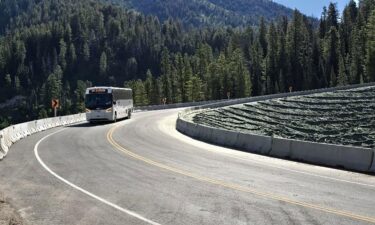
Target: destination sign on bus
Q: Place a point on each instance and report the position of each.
(98, 90)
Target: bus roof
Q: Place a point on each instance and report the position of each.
(109, 89)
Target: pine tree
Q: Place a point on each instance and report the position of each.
(332, 17)
(149, 86)
(175, 85)
(358, 52)
(331, 52)
(66, 101)
(333, 77)
(156, 91)
(86, 52)
(370, 49)
(132, 67)
(270, 69)
(256, 68)
(323, 24)
(62, 53)
(103, 64)
(79, 93)
(240, 75)
(2, 58)
(8, 81)
(53, 87)
(68, 33)
(296, 47)
(189, 90)
(281, 61)
(179, 63)
(140, 95)
(349, 18)
(196, 90)
(263, 36)
(72, 56)
(214, 82)
(17, 85)
(342, 78)
(188, 73)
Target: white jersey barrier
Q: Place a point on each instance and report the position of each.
(348, 157)
(14, 133)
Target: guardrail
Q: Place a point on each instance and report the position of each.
(348, 157)
(14, 133)
(178, 105)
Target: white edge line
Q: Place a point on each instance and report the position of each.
(306, 173)
(83, 190)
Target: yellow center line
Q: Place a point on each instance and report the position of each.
(234, 186)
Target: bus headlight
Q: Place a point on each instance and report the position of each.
(88, 110)
(109, 110)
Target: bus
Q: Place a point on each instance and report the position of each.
(108, 103)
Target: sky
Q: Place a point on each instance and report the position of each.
(312, 7)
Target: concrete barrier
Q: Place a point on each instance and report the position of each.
(191, 130)
(6, 143)
(31, 127)
(2, 145)
(372, 169)
(14, 133)
(224, 137)
(181, 125)
(280, 148)
(348, 157)
(248, 142)
(204, 133)
(254, 143)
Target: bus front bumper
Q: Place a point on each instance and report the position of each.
(99, 115)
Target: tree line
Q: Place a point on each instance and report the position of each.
(281, 56)
(202, 13)
(58, 48)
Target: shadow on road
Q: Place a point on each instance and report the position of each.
(94, 124)
(87, 124)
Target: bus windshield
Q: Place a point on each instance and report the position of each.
(98, 101)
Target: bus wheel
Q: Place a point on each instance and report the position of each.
(115, 119)
(129, 114)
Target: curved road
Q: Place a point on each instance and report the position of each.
(142, 171)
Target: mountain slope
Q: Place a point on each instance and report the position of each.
(209, 12)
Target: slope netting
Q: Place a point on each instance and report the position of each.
(340, 117)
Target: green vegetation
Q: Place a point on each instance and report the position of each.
(57, 48)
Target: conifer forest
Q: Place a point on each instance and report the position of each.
(57, 48)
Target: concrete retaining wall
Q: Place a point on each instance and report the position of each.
(354, 158)
(280, 147)
(12, 134)
(372, 169)
(348, 157)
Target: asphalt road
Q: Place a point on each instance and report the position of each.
(142, 171)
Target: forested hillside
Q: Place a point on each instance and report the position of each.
(57, 48)
(199, 13)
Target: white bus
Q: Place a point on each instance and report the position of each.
(108, 103)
